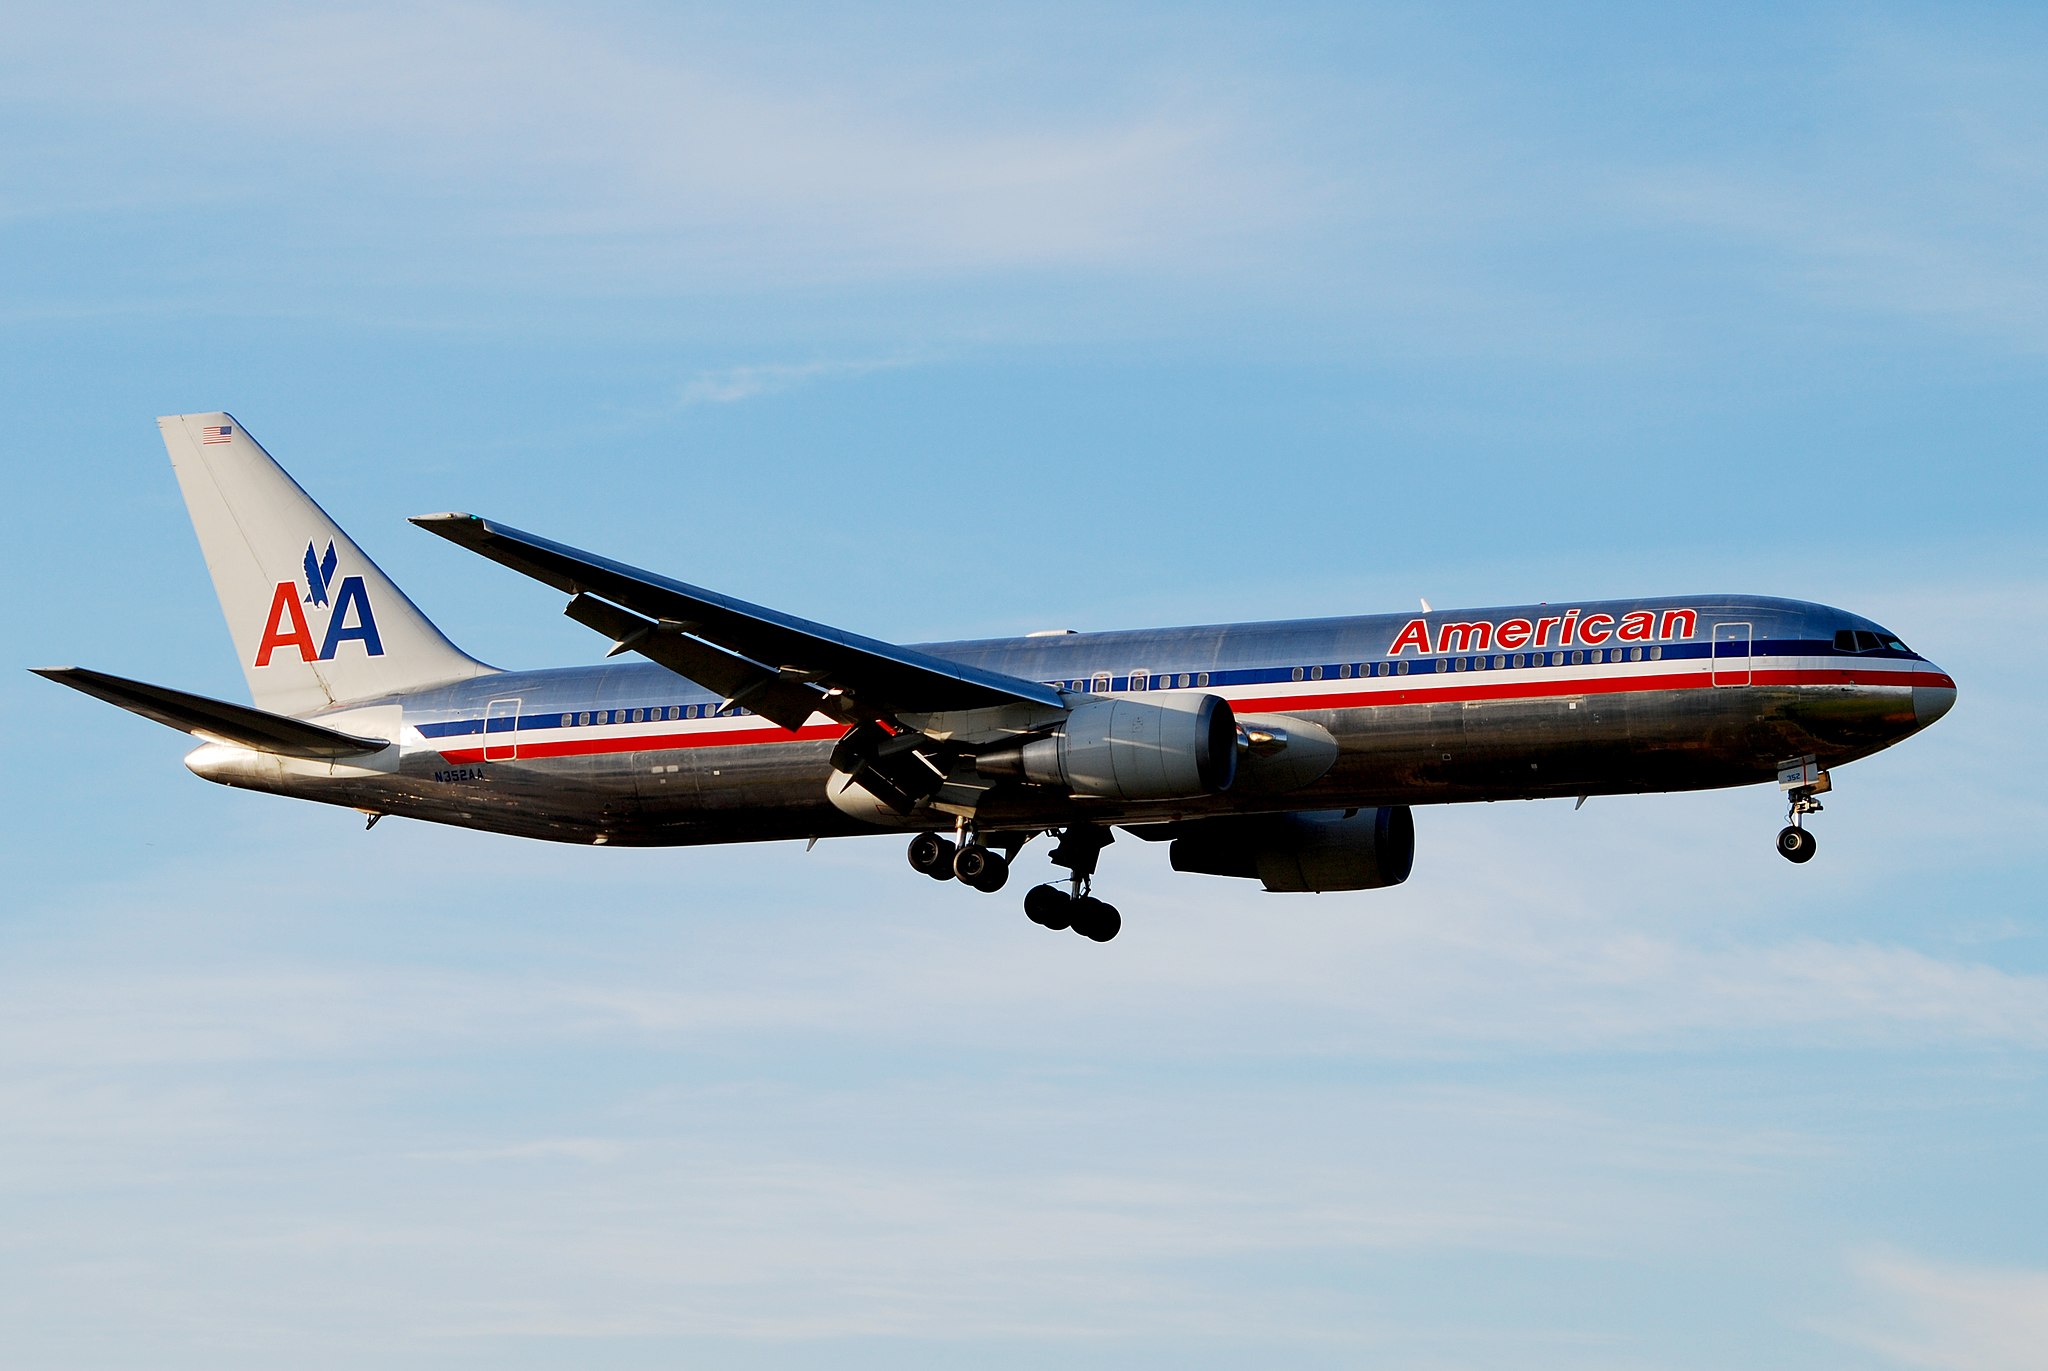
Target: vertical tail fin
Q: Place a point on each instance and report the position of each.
(314, 621)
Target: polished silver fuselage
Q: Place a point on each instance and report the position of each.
(632, 754)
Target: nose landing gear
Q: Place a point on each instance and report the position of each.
(1801, 781)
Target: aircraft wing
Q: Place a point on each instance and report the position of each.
(777, 664)
(215, 720)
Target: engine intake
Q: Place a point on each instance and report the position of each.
(1171, 748)
(1350, 849)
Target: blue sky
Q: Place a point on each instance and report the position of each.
(932, 323)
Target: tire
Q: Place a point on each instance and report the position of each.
(1048, 906)
(1104, 922)
(1094, 920)
(1796, 844)
(932, 855)
(970, 863)
(994, 870)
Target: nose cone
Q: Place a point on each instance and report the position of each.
(1930, 702)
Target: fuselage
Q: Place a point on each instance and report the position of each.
(1519, 702)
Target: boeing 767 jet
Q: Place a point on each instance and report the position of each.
(1287, 752)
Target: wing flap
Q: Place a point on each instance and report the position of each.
(741, 682)
(215, 720)
(877, 674)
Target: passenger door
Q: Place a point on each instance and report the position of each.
(1731, 654)
(501, 730)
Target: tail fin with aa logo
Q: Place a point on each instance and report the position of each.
(314, 621)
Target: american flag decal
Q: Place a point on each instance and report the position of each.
(216, 433)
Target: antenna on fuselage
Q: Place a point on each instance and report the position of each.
(1426, 607)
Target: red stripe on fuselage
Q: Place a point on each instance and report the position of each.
(1393, 692)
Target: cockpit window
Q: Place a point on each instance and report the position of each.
(1863, 640)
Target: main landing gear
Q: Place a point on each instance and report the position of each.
(974, 865)
(1048, 906)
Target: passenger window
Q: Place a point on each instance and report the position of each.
(1656, 654)
(1578, 658)
(1297, 673)
(1315, 673)
(1202, 679)
(1343, 670)
(1400, 668)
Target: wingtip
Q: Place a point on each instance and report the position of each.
(450, 525)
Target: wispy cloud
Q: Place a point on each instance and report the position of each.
(680, 149)
(1948, 1316)
(728, 385)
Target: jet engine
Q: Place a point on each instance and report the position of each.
(1170, 748)
(1349, 849)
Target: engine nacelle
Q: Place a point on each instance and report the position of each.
(1172, 747)
(1347, 849)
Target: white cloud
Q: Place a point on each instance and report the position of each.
(1950, 1316)
(672, 150)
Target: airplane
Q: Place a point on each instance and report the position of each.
(1290, 752)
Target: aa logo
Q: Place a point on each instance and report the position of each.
(349, 617)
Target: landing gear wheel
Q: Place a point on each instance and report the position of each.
(932, 855)
(976, 866)
(1796, 844)
(1048, 906)
(1095, 920)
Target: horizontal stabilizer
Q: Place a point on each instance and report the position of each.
(214, 720)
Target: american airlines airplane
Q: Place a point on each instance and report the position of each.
(1288, 752)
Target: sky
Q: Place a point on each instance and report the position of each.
(936, 321)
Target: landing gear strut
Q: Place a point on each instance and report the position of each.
(1080, 847)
